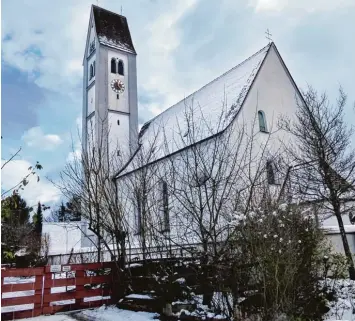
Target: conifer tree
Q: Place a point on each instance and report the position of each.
(38, 220)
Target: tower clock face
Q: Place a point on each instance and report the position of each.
(117, 86)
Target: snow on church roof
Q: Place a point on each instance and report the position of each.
(112, 29)
(225, 93)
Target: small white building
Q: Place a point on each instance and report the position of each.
(331, 228)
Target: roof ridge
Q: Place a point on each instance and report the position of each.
(225, 73)
(115, 13)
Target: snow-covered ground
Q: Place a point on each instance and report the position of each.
(103, 313)
(342, 309)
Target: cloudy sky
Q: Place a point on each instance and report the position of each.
(181, 45)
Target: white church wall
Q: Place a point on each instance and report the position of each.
(91, 100)
(274, 93)
(118, 127)
(91, 133)
(122, 103)
(184, 228)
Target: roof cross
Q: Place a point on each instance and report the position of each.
(268, 35)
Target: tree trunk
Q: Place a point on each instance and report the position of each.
(207, 295)
(123, 251)
(347, 251)
(98, 236)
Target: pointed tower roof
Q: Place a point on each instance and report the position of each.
(112, 30)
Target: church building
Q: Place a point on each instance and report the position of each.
(238, 112)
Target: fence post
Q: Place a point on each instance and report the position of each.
(38, 285)
(46, 291)
(78, 288)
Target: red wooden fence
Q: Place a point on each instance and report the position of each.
(78, 286)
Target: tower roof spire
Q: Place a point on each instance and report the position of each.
(112, 30)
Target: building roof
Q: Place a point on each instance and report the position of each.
(112, 30)
(225, 94)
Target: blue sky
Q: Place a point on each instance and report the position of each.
(180, 48)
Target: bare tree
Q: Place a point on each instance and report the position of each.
(136, 184)
(213, 171)
(18, 186)
(322, 153)
(88, 179)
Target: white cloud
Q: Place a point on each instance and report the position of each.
(35, 138)
(164, 39)
(59, 65)
(79, 123)
(47, 41)
(58, 31)
(74, 156)
(34, 192)
(300, 5)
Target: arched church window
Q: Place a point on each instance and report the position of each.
(91, 71)
(113, 65)
(262, 121)
(165, 220)
(120, 68)
(270, 172)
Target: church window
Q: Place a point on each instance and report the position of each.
(201, 177)
(113, 65)
(139, 212)
(270, 172)
(118, 121)
(91, 71)
(120, 68)
(262, 121)
(352, 218)
(94, 68)
(92, 46)
(165, 226)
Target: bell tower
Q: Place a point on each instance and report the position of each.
(110, 111)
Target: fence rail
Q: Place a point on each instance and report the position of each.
(133, 254)
(49, 289)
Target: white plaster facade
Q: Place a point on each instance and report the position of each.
(118, 127)
(121, 104)
(91, 100)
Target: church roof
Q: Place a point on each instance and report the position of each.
(224, 94)
(112, 30)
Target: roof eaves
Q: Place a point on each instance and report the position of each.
(115, 176)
